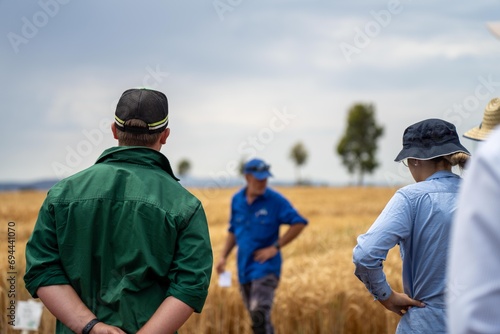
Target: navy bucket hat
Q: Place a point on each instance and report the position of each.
(430, 139)
(258, 168)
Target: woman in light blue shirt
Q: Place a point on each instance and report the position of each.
(418, 218)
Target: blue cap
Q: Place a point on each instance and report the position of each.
(258, 168)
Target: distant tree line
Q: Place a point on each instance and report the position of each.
(357, 147)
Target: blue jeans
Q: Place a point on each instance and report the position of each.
(258, 297)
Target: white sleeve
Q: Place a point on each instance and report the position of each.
(473, 283)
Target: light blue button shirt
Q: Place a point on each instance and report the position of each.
(418, 218)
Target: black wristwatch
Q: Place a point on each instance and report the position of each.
(277, 245)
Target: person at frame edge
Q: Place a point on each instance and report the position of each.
(122, 247)
(257, 212)
(473, 290)
(418, 218)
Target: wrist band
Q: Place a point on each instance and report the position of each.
(88, 327)
(277, 245)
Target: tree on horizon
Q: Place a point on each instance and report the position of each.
(358, 145)
(299, 155)
(183, 167)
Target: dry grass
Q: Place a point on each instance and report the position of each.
(318, 292)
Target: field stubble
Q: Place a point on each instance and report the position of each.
(318, 292)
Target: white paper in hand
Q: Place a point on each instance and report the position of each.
(28, 315)
(225, 279)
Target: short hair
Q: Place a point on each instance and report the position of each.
(137, 139)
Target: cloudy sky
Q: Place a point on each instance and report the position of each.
(243, 78)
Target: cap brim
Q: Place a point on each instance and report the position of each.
(430, 153)
(261, 175)
(494, 27)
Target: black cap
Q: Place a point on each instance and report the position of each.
(147, 105)
(430, 139)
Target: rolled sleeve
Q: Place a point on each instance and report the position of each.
(191, 268)
(43, 263)
(373, 279)
(289, 215)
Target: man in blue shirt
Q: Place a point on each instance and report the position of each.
(256, 215)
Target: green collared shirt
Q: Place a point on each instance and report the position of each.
(125, 235)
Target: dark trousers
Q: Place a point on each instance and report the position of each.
(258, 297)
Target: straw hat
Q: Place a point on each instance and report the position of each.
(494, 28)
(491, 118)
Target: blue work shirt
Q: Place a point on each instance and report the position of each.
(418, 218)
(257, 226)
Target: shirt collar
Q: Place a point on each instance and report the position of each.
(137, 155)
(243, 193)
(442, 174)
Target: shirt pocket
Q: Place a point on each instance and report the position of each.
(238, 222)
(264, 229)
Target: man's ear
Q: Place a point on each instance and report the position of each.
(164, 136)
(113, 129)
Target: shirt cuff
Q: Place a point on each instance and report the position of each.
(375, 282)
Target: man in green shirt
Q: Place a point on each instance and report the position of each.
(122, 247)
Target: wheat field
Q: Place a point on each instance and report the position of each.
(318, 292)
